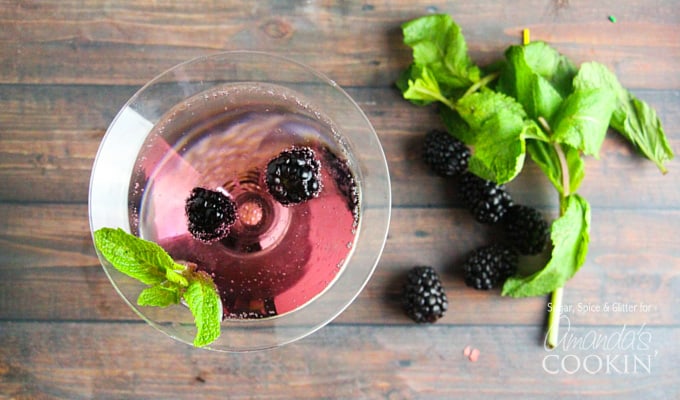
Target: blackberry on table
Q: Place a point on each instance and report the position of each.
(210, 214)
(487, 201)
(444, 154)
(293, 176)
(423, 297)
(526, 229)
(489, 266)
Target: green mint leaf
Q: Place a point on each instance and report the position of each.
(479, 108)
(520, 80)
(140, 259)
(548, 63)
(570, 235)
(497, 123)
(424, 89)
(633, 118)
(533, 131)
(498, 153)
(551, 65)
(439, 45)
(404, 77)
(544, 100)
(149, 263)
(456, 126)
(407, 79)
(205, 304)
(175, 277)
(544, 155)
(583, 118)
(159, 296)
(643, 128)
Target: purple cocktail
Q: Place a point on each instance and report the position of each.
(221, 131)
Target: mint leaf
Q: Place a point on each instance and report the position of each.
(439, 45)
(499, 152)
(583, 118)
(140, 259)
(479, 108)
(544, 155)
(570, 237)
(175, 277)
(456, 126)
(533, 131)
(643, 128)
(497, 123)
(410, 74)
(159, 296)
(424, 89)
(204, 302)
(521, 80)
(149, 263)
(548, 63)
(543, 99)
(633, 118)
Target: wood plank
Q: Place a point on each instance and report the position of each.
(49, 270)
(51, 134)
(107, 361)
(85, 43)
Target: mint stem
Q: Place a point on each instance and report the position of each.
(481, 83)
(556, 297)
(564, 167)
(554, 318)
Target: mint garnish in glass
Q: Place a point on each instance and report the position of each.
(168, 281)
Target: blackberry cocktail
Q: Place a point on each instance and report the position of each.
(264, 186)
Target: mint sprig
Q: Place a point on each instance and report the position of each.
(168, 281)
(632, 117)
(439, 47)
(534, 101)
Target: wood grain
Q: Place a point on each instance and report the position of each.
(144, 38)
(103, 361)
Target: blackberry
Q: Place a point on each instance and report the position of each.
(489, 266)
(423, 297)
(526, 229)
(293, 176)
(487, 201)
(210, 214)
(444, 154)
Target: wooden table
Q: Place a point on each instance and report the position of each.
(66, 68)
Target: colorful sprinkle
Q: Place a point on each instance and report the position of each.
(471, 353)
(474, 355)
(612, 19)
(526, 36)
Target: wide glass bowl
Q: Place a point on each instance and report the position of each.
(148, 136)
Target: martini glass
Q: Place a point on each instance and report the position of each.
(283, 271)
